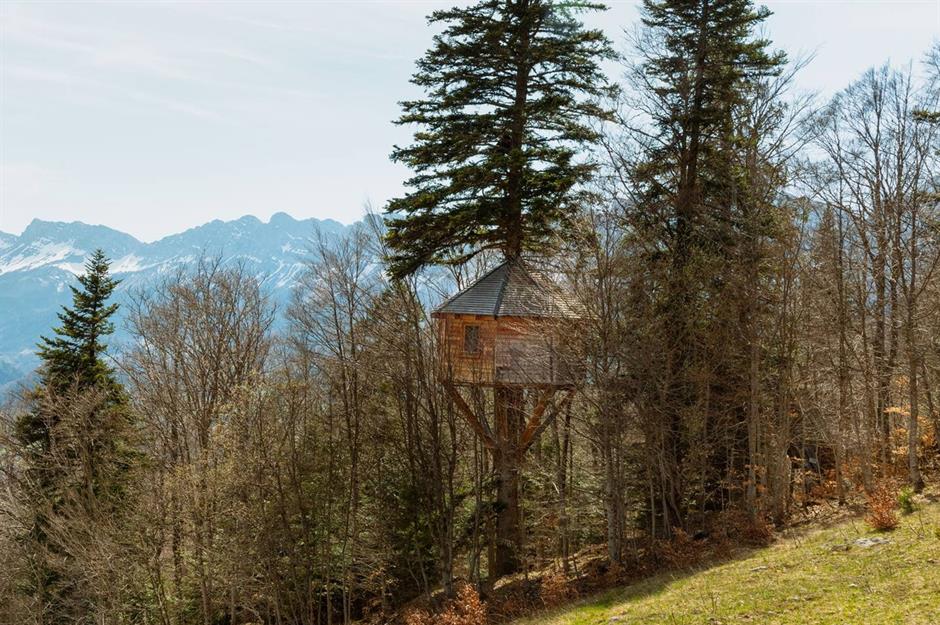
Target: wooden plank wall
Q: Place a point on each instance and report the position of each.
(515, 351)
(459, 366)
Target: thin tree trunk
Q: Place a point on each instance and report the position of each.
(753, 430)
(913, 437)
(508, 406)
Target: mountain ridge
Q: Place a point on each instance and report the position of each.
(37, 266)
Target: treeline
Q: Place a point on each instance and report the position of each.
(759, 278)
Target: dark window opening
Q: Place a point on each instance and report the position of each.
(471, 339)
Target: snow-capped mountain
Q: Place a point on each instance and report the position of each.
(37, 267)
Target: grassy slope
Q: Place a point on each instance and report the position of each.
(808, 579)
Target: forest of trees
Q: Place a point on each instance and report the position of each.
(759, 271)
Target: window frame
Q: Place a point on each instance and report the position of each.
(472, 330)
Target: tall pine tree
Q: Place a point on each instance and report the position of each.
(76, 444)
(75, 354)
(702, 62)
(510, 88)
(73, 359)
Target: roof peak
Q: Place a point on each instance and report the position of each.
(510, 289)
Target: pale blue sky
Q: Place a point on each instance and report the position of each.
(155, 117)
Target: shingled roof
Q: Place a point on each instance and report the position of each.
(512, 289)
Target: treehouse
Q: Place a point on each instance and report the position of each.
(506, 330)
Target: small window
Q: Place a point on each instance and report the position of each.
(471, 339)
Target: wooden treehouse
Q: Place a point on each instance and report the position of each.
(505, 330)
(505, 334)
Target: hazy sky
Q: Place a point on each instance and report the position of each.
(155, 117)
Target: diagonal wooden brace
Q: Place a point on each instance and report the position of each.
(480, 426)
(536, 425)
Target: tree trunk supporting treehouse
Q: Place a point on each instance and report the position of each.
(502, 333)
(508, 409)
(513, 433)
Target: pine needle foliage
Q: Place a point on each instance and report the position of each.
(511, 88)
(701, 189)
(75, 354)
(703, 58)
(73, 359)
(76, 443)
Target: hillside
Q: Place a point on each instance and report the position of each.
(841, 574)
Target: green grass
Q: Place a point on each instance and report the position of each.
(804, 579)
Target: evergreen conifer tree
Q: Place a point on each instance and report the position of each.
(510, 88)
(702, 61)
(73, 359)
(74, 355)
(76, 442)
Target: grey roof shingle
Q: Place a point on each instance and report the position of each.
(511, 290)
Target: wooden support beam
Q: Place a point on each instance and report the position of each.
(535, 420)
(536, 425)
(480, 426)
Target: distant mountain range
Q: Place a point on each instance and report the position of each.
(37, 267)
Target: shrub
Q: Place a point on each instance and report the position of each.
(680, 552)
(906, 500)
(513, 605)
(615, 574)
(555, 589)
(754, 530)
(743, 528)
(465, 609)
(881, 508)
